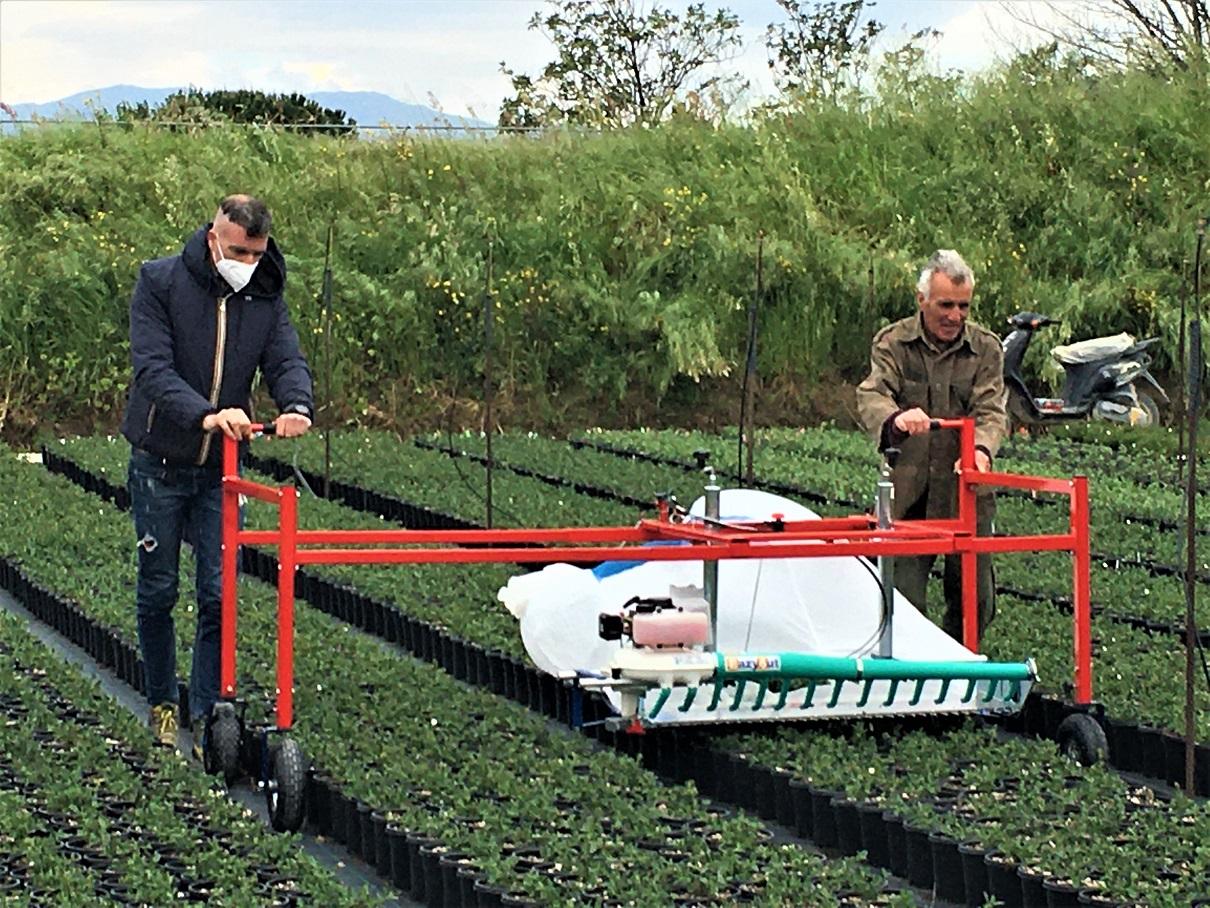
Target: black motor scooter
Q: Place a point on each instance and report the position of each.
(1105, 378)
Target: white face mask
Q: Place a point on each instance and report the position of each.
(235, 273)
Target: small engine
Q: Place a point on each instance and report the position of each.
(656, 624)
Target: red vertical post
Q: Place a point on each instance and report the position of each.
(287, 529)
(230, 550)
(967, 514)
(1081, 563)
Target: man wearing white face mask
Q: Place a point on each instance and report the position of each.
(202, 323)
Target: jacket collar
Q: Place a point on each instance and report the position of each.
(916, 331)
(269, 279)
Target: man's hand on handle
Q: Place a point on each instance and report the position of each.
(291, 425)
(915, 421)
(232, 422)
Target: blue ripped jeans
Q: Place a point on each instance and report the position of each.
(171, 502)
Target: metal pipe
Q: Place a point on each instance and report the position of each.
(710, 568)
(886, 565)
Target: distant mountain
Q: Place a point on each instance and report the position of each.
(368, 108)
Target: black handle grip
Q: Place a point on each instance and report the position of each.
(891, 455)
(268, 428)
(934, 425)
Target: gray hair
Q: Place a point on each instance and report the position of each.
(949, 263)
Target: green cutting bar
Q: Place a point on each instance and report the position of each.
(803, 666)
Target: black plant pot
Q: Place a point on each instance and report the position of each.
(764, 792)
(1174, 759)
(919, 856)
(800, 802)
(416, 879)
(1061, 894)
(396, 837)
(874, 840)
(783, 804)
(451, 865)
(974, 872)
(1124, 745)
(468, 875)
(823, 817)
(488, 895)
(434, 884)
(948, 880)
(382, 846)
(743, 791)
(1031, 881)
(1002, 880)
(896, 840)
(1099, 899)
(1151, 747)
(848, 825)
(365, 839)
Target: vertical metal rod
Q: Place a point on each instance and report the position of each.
(1193, 404)
(746, 418)
(886, 564)
(710, 568)
(1081, 565)
(327, 395)
(230, 566)
(286, 555)
(488, 326)
(968, 514)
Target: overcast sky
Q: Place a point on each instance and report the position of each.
(419, 51)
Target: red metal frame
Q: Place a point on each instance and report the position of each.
(825, 538)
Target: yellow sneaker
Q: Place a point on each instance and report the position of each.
(163, 723)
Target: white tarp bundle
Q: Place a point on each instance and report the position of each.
(1089, 351)
(830, 606)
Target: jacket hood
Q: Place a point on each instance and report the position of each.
(269, 278)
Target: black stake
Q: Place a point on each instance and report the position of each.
(488, 324)
(1193, 406)
(746, 416)
(327, 395)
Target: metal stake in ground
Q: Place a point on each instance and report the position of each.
(488, 325)
(745, 403)
(1193, 406)
(327, 395)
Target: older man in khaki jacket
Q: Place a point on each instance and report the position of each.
(935, 364)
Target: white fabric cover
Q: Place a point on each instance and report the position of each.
(829, 606)
(1087, 351)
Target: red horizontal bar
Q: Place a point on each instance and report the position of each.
(1014, 481)
(939, 546)
(252, 489)
(1017, 543)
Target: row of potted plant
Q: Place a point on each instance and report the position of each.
(429, 753)
(92, 813)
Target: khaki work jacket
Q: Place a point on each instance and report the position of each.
(907, 369)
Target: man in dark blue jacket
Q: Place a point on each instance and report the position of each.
(202, 324)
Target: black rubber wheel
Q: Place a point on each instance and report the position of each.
(286, 786)
(222, 745)
(1149, 406)
(1081, 737)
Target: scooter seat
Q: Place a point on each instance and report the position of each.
(1089, 351)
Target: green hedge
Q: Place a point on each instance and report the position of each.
(622, 260)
